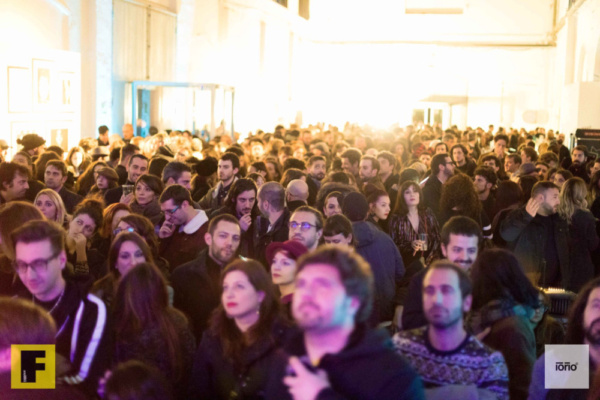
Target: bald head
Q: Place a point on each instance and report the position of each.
(127, 131)
(297, 189)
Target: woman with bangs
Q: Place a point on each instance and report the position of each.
(52, 206)
(410, 220)
(147, 190)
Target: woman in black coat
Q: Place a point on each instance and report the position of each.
(583, 239)
(236, 354)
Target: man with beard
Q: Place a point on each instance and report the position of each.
(577, 168)
(197, 284)
(484, 184)
(272, 224)
(450, 360)
(391, 180)
(583, 328)
(13, 182)
(461, 237)
(538, 236)
(317, 168)
(228, 168)
(241, 203)
(306, 227)
(335, 354)
(369, 171)
(442, 169)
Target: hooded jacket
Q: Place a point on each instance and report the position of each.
(380, 251)
(367, 368)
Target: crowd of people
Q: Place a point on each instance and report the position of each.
(301, 263)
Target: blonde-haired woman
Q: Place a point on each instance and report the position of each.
(583, 238)
(52, 206)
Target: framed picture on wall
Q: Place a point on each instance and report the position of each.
(65, 90)
(19, 89)
(43, 85)
(58, 133)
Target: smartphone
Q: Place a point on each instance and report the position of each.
(127, 189)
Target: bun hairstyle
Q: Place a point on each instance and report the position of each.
(93, 207)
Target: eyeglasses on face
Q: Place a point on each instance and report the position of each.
(119, 230)
(173, 211)
(304, 226)
(38, 265)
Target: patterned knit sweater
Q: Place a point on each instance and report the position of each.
(471, 363)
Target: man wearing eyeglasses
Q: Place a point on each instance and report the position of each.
(182, 232)
(306, 227)
(40, 259)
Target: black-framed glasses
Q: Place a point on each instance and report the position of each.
(38, 265)
(304, 226)
(119, 230)
(173, 211)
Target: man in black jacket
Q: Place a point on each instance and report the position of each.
(55, 177)
(336, 356)
(538, 236)
(197, 283)
(272, 224)
(82, 338)
(442, 168)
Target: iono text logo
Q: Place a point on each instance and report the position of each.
(566, 366)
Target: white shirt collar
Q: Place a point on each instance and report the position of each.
(195, 223)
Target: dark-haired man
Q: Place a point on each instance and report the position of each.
(538, 236)
(138, 166)
(387, 166)
(442, 168)
(306, 227)
(228, 168)
(369, 171)
(55, 177)
(464, 163)
(103, 136)
(350, 162)
(241, 203)
(197, 283)
(272, 224)
(484, 181)
(13, 182)
(125, 154)
(580, 157)
(461, 237)
(450, 360)
(182, 232)
(178, 173)
(40, 259)
(335, 355)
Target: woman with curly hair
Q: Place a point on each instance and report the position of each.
(582, 239)
(460, 198)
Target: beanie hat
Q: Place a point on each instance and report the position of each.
(355, 207)
(31, 141)
(294, 248)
